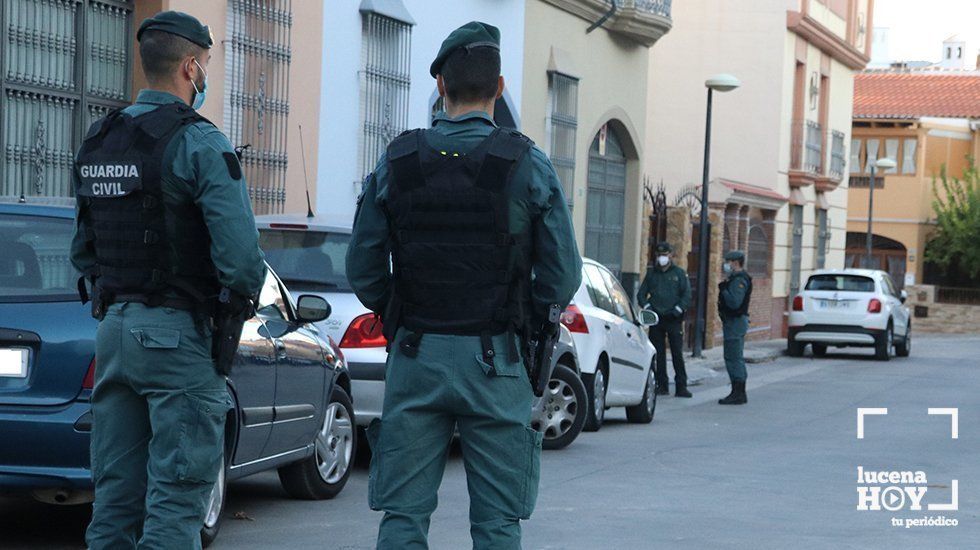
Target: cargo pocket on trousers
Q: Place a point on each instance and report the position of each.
(373, 434)
(532, 474)
(201, 446)
(157, 338)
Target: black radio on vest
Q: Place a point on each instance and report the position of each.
(457, 269)
(147, 249)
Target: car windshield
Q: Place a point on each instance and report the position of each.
(850, 283)
(34, 264)
(308, 260)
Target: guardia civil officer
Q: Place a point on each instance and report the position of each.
(666, 290)
(467, 211)
(163, 223)
(734, 294)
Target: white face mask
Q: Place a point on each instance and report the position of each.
(663, 261)
(727, 268)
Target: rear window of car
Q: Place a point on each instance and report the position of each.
(308, 260)
(850, 283)
(35, 264)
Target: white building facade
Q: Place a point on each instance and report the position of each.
(376, 82)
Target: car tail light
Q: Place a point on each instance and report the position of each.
(573, 319)
(798, 303)
(365, 331)
(89, 381)
(874, 306)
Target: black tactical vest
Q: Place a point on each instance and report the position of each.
(457, 268)
(147, 249)
(743, 309)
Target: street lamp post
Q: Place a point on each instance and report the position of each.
(720, 83)
(884, 164)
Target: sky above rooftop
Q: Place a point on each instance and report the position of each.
(917, 28)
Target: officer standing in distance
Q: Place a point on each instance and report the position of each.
(158, 240)
(667, 291)
(467, 212)
(734, 295)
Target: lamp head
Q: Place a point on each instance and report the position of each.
(885, 164)
(722, 83)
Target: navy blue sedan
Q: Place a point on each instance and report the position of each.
(290, 384)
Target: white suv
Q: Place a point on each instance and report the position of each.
(850, 307)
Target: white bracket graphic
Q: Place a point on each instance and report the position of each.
(954, 414)
(955, 503)
(862, 411)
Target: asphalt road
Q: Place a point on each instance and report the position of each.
(780, 472)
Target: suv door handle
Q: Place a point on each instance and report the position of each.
(608, 327)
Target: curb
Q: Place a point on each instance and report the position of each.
(699, 370)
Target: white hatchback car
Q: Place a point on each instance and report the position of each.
(850, 307)
(615, 354)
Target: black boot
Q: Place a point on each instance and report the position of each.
(680, 390)
(737, 395)
(662, 390)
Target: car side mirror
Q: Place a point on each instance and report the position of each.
(903, 296)
(648, 318)
(312, 309)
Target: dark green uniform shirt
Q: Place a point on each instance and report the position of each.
(665, 290)
(195, 171)
(537, 205)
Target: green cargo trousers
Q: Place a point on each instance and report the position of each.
(734, 330)
(159, 412)
(448, 386)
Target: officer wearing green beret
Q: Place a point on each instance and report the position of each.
(667, 291)
(464, 213)
(163, 223)
(734, 295)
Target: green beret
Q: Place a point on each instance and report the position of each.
(181, 24)
(471, 35)
(664, 248)
(735, 255)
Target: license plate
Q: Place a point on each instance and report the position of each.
(834, 304)
(13, 362)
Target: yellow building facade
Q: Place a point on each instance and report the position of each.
(926, 122)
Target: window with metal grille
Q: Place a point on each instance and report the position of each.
(563, 119)
(256, 107)
(796, 256)
(385, 81)
(65, 64)
(823, 238)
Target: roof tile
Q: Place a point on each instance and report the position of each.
(909, 95)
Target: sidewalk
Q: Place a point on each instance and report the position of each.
(712, 363)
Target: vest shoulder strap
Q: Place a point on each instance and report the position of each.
(506, 149)
(404, 161)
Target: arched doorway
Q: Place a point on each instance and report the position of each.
(606, 200)
(886, 254)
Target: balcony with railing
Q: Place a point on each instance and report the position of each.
(806, 156)
(643, 21)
